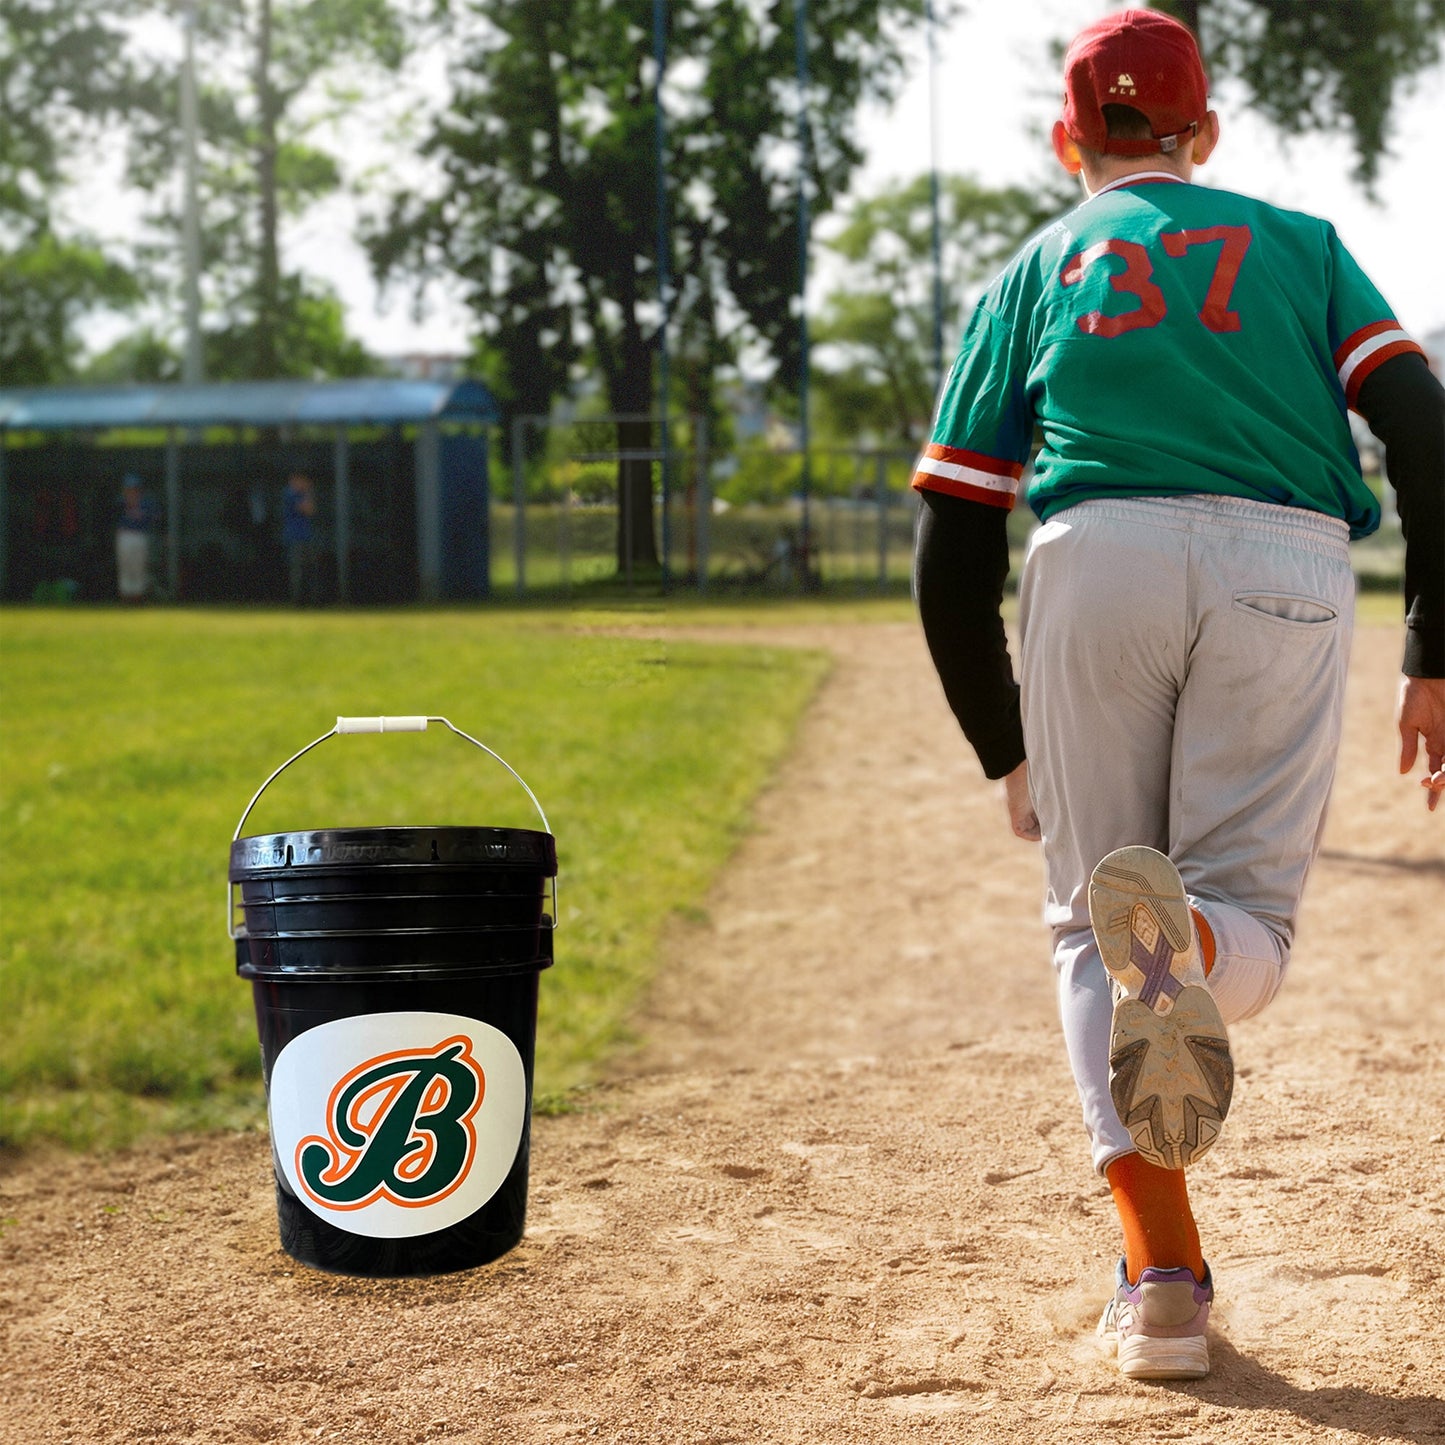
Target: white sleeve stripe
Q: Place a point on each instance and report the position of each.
(972, 475)
(1368, 348)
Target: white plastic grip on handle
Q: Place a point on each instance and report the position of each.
(346, 725)
(381, 724)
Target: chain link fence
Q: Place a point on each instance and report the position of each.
(757, 518)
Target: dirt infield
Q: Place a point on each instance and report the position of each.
(842, 1194)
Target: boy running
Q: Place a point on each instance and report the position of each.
(1188, 356)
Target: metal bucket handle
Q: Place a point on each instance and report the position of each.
(379, 725)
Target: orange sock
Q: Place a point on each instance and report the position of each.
(1159, 1227)
(1206, 939)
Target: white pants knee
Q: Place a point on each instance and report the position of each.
(1249, 967)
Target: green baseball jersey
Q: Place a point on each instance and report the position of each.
(1167, 338)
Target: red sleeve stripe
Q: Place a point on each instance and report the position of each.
(1358, 338)
(961, 473)
(949, 486)
(1397, 345)
(1363, 351)
(972, 461)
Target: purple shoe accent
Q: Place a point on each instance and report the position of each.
(1155, 968)
(1145, 1315)
(1151, 1274)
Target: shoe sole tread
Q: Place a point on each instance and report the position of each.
(1171, 1073)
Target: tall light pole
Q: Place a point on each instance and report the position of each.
(192, 366)
(664, 279)
(933, 199)
(805, 148)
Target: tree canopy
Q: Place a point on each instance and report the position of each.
(73, 72)
(550, 200)
(264, 73)
(1307, 66)
(875, 332)
(544, 144)
(64, 73)
(549, 209)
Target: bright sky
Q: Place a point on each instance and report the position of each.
(994, 76)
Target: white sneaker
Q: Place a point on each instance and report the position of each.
(1159, 1324)
(1170, 1070)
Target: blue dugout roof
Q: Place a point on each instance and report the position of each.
(364, 401)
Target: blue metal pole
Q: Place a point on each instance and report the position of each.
(800, 45)
(659, 55)
(933, 201)
(193, 367)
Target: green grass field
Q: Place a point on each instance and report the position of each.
(132, 742)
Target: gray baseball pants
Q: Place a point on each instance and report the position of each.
(1183, 667)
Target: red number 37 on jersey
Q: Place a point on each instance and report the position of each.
(1136, 279)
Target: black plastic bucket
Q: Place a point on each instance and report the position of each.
(395, 977)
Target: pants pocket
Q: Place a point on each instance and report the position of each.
(1287, 608)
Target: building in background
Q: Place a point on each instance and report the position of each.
(401, 473)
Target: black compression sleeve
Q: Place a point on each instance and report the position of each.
(958, 577)
(1405, 406)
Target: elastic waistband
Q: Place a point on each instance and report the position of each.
(1295, 527)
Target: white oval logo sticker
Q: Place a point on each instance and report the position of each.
(392, 1125)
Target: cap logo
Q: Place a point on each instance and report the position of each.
(1124, 85)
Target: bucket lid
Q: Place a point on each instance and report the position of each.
(331, 848)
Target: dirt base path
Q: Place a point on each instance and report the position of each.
(842, 1194)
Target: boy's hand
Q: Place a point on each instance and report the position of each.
(1421, 714)
(1021, 815)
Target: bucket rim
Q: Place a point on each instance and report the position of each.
(260, 855)
(382, 975)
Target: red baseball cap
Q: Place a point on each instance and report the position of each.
(1139, 58)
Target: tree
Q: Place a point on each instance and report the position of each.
(1308, 66)
(876, 326)
(69, 67)
(47, 286)
(64, 73)
(261, 164)
(142, 355)
(548, 211)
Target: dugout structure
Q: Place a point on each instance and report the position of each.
(399, 469)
